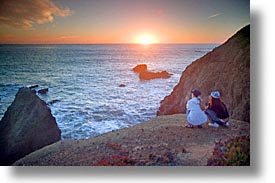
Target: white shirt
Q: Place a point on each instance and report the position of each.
(195, 116)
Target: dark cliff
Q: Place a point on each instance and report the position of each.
(226, 68)
(27, 125)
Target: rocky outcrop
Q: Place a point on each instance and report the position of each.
(226, 68)
(144, 74)
(140, 68)
(27, 125)
(147, 75)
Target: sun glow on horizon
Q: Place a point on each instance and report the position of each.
(146, 39)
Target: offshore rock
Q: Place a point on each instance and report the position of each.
(43, 91)
(27, 125)
(227, 69)
(144, 74)
(33, 86)
(53, 102)
(122, 85)
(140, 68)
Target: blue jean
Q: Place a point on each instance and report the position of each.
(213, 117)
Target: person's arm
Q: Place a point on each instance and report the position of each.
(207, 106)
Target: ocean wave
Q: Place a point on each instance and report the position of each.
(84, 79)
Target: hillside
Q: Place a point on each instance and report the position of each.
(226, 68)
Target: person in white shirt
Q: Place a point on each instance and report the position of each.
(195, 115)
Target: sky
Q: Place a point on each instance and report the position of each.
(121, 21)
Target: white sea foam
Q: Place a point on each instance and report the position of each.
(84, 80)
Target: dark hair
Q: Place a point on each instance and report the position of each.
(196, 93)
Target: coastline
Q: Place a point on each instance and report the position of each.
(164, 141)
(85, 84)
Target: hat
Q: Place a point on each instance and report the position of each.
(196, 93)
(215, 94)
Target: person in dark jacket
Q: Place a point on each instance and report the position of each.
(217, 111)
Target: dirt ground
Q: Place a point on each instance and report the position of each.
(162, 141)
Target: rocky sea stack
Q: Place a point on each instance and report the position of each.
(27, 125)
(144, 74)
(227, 69)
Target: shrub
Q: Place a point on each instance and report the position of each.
(234, 152)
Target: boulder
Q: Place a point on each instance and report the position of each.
(140, 68)
(43, 91)
(27, 125)
(226, 68)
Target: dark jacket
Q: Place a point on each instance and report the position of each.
(220, 109)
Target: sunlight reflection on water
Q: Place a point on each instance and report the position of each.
(85, 79)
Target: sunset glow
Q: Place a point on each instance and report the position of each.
(121, 21)
(146, 39)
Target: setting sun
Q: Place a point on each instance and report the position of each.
(146, 39)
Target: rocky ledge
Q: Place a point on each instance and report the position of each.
(160, 141)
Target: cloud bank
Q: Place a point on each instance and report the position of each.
(24, 14)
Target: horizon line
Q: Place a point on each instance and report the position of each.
(99, 43)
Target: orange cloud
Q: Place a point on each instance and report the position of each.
(24, 14)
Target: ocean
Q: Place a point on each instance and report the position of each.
(84, 81)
